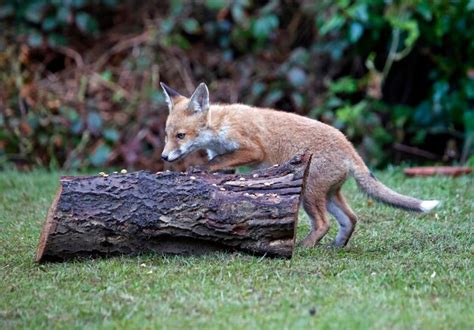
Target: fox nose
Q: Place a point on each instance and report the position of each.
(164, 157)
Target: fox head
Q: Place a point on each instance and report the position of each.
(186, 124)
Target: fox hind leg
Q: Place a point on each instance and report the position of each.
(339, 209)
(315, 208)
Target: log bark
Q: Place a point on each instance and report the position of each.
(175, 213)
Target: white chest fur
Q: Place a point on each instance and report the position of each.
(211, 154)
(217, 144)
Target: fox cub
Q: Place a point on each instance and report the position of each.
(237, 134)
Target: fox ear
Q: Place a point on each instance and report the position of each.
(170, 93)
(200, 99)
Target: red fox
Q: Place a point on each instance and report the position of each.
(237, 134)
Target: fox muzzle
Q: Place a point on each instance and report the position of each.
(172, 156)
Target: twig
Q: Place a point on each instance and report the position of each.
(415, 151)
(467, 148)
(69, 52)
(76, 151)
(120, 47)
(391, 53)
(112, 86)
(182, 67)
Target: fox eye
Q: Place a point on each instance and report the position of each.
(180, 135)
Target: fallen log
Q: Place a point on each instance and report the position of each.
(454, 171)
(175, 213)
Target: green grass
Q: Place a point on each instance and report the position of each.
(401, 270)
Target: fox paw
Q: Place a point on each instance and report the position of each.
(308, 242)
(332, 246)
(336, 245)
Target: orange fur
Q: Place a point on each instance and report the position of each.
(245, 135)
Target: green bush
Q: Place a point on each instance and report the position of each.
(50, 21)
(435, 32)
(386, 73)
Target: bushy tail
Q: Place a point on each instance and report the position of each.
(377, 190)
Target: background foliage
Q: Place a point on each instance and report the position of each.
(80, 77)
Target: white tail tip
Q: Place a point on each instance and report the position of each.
(427, 206)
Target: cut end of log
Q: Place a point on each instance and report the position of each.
(49, 227)
(176, 213)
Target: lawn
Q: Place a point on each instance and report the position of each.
(401, 270)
